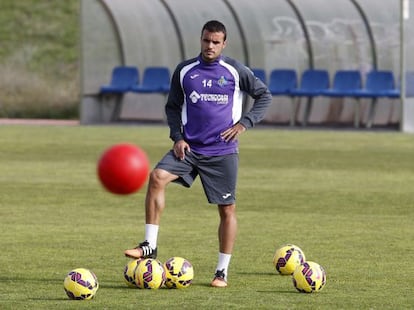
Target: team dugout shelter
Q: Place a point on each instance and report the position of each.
(266, 35)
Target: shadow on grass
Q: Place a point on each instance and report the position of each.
(116, 286)
(19, 279)
(271, 274)
(50, 299)
(278, 291)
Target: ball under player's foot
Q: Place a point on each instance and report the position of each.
(219, 279)
(143, 250)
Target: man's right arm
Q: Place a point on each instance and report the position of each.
(173, 107)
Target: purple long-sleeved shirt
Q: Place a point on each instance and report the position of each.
(207, 98)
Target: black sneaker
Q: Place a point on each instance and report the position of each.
(146, 251)
(219, 279)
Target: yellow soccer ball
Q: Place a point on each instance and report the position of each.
(309, 277)
(287, 258)
(129, 272)
(81, 284)
(150, 274)
(179, 272)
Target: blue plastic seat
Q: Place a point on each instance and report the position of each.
(282, 82)
(260, 73)
(313, 82)
(155, 80)
(379, 83)
(122, 79)
(345, 83)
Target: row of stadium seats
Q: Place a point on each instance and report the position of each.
(155, 80)
(282, 82)
(346, 83)
(315, 82)
(127, 79)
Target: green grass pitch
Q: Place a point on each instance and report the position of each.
(345, 197)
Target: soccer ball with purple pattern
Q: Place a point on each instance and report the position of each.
(309, 277)
(179, 272)
(287, 258)
(150, 274)
(129, 272)
(81, 284)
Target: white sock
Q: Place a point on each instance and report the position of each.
(151, 234)
(223, 262)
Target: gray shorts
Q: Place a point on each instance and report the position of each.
(218, 174)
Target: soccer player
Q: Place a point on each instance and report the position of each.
(204, 114)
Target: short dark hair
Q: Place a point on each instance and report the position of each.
(215, 26)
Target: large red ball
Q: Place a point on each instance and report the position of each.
(123, 168)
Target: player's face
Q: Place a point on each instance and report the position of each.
(212, 44)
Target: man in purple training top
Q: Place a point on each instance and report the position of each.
(204, 113)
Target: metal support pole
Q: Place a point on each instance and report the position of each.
(404, 14)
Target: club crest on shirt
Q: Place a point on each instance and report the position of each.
(222, 81)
